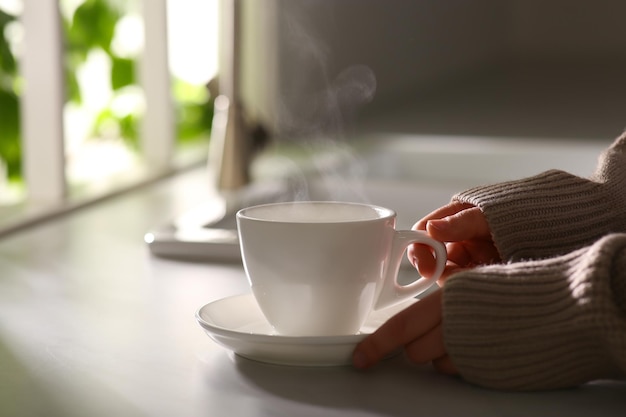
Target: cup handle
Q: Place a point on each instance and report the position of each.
(391, 291)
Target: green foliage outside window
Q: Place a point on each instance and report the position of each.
(9, 103)
(92, 27)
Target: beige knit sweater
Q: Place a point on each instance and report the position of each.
(553, 314)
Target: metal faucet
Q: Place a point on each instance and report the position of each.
(229, 149)
(232, 140)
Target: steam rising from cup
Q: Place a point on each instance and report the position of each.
(319, 110)
(329, 112)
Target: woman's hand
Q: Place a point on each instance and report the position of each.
(417, 330)
(465, 231)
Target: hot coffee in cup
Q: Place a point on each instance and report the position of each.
(320, 268)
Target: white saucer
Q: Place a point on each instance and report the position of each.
(238, 324)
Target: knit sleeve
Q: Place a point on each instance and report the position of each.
(555, 212)
(542, 324)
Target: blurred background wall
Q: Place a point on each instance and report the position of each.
(314, 59)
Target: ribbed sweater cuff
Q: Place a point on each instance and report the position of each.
(542, 324)
(549, 214)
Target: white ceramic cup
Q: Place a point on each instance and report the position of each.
(319, 268)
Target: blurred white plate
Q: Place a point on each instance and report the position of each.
(238, 324)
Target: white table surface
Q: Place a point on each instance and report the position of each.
(92, 325)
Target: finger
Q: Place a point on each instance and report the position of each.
(464, 225)
(461, 254)
(422, 258)
(399, 330)
(427, 348)
(449, 270)
(445, 365)
(449, 209)
(453, 222)
(473, 252)
(458, 254)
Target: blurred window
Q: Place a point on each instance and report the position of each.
(135, 102)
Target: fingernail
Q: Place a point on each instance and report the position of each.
(359, 360)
